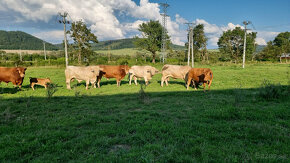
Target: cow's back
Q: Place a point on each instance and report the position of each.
(110, 71)
(8, 74)
(175, 71)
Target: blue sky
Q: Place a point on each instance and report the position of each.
(115, 19)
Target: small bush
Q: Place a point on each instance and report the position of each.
(51, 89)
(270, 91)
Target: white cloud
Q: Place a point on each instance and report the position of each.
(54, 36)
(261, 41)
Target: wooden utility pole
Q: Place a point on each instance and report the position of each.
(64, 21)
(245, 42)
(44, 51)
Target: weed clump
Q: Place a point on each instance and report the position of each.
(51, 89)
(142, 95)
(270, 91)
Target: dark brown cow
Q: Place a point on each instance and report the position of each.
(118, 72)
(14, 75)
(203, 75)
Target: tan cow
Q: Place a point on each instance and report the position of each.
(89, 74)
(174, 71)
(145, 72)
(39, 81)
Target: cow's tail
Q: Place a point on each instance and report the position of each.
(165, 67)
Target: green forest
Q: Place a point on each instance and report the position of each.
(20, 40)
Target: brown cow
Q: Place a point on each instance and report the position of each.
(118, 72)
(39, 81)
(14, 75)
(203, 75)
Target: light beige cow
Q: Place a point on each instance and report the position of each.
(88, 74)
(145, 72)
(174, 71)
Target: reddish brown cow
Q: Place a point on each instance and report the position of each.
(203, 75)
(14, 75)
(118, 72)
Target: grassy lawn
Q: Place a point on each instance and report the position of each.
(231, 123)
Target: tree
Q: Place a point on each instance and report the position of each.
(232, 42)
(199, 40)
(152, 37)
(82, 37)
(276, 48)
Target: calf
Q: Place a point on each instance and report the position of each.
(203, 75)
(118, 72)
(174, 71)
(145, 72)
(39, 81)
(89, 74)
(14, 75)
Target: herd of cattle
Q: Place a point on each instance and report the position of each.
(93, 75)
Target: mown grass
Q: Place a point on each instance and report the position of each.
(231, 123)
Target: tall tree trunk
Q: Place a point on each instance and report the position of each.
(154, 55)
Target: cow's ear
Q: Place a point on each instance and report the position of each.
(25, 69)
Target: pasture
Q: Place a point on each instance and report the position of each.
(231, 123)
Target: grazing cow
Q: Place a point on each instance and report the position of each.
(200, 75)
(174, 71)
(118, 72)
(14, 75)
(145, 72)
(88, 73)
(39, 81)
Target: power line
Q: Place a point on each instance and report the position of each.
(64, 22)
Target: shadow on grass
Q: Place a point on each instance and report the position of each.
(129, 126)
(11, 90)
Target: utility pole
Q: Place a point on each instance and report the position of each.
(245, 41)
(164, 31)
(64, 21)
(20, 55)
(190, 44)
(44, 50)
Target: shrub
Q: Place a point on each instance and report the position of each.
(51, 89)
(270, 91)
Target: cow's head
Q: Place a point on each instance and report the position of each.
(96, 70)
(47, 80)
(152, 70)
(21, 71)
(208, 76)
(126, 68)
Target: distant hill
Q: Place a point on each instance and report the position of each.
(12, 40)
(259, 48)
(122, 44)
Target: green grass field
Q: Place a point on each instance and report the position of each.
(231, 123)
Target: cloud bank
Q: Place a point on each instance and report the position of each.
(111, 19)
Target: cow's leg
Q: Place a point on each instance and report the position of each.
(146, 81)
(188, 82)
(32, 86)
(166, 80)
(99, 80)
(68, 83)
(87, 84)
(45, 86)
(204, 86)
(162, 81)
(130, 79)
(135, 80)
